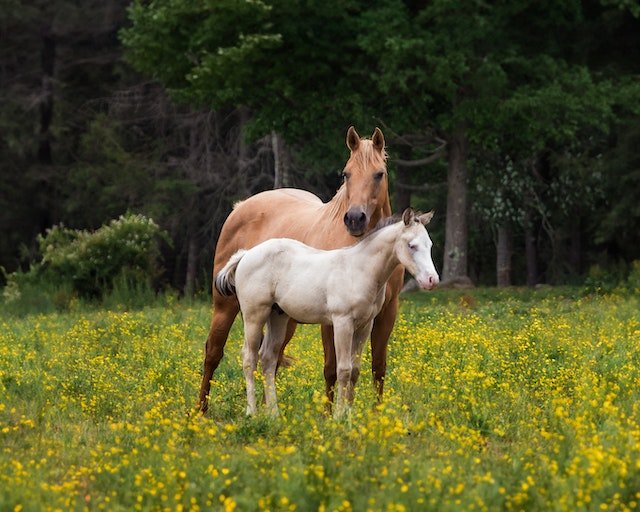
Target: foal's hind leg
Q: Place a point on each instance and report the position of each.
(343, 336)
(253, 324)
(225, 310)
(270, 350)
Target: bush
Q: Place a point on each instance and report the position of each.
(620, 278)
(633, 279)
(126, 250)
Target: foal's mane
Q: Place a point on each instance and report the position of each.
(382, 223)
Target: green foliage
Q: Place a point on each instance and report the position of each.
(620, 278)
(125, 250)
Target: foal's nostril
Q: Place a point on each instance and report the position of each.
(363, 217)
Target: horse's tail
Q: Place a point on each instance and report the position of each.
(226, 278)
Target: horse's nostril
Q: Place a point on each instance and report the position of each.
(363, 217)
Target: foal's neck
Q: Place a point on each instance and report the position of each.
(376, 253)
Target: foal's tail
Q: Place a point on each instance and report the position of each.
(226, 278)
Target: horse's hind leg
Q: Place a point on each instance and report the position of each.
(225, 310)
(283, 360)
(270, 350)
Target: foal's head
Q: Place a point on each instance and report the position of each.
(365, 180)
(413, 248)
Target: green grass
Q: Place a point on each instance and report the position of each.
(514, 400)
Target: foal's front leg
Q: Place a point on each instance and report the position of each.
(359, 338)
(343, 338)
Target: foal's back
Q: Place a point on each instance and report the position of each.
(296, 277)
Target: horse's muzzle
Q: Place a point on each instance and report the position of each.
(356, 221)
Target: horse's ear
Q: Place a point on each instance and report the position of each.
(408, 216)
(378, 140)
(426, 217)
(353, 139)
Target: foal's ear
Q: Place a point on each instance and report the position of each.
(353, 139)
(378, 139)
(408, 216)
(425, 218)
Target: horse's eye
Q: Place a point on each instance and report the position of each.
(345, 176)
(378, 176)
(413, 247)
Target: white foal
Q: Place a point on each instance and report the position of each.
(282, 278)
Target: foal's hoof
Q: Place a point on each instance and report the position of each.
(274, 413)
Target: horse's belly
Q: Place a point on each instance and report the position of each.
(304, 312)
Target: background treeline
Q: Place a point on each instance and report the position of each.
(518, 121)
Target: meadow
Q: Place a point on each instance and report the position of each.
(513, 400)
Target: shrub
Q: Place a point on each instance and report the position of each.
(633, 279)
(126, 250)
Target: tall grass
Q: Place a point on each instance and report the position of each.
(514, 401)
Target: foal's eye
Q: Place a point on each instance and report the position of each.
(378, 176)
(413, 247)
(345, 176)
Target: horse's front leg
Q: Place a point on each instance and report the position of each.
(270, 349)
(330, 375)
(343, 340)
(359, 338)
(382, 327)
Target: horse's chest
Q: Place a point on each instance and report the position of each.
(361, 305)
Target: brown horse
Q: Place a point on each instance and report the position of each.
(361, 201)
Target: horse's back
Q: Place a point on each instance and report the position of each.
(280, 213)
(278, 197)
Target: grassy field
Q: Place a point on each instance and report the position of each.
(494, 401)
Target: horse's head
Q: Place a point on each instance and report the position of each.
(413, 249)
(365, 180)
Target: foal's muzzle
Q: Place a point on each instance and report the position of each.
(356, 221)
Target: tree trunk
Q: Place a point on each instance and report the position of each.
(192, 265)
(402, 193)
(575, 245)
(281, 162)
(243, 151)
(46, 200)
(531, 252)
(456, 233)
(48, 58)
(503, 256)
